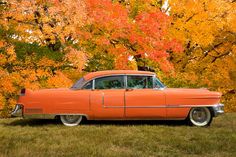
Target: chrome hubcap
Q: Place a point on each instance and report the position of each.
(199, 115)
(72, 118)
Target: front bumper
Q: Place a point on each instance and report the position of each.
(18, 111)
(218, 109)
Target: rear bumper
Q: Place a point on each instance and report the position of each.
(18, 111)
(218, 109)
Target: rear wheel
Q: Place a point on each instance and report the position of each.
(71, 120)
(200, 116)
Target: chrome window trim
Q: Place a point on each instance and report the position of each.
(122, 74)
(86, 84)
(125, 80)
(83, 83)
(161, 88)
(153, 78)
(93, 87)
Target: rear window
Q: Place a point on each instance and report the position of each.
(78, 84)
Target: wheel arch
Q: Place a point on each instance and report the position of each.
(80, 114)
(207, 106)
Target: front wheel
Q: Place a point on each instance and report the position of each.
(200, 116)
(71, 120)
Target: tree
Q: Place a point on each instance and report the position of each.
(48, 22)
(36, 46)
(207, 29)
(32, 70)
(127, 38)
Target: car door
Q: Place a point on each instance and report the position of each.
(107, 97)
(142, 101)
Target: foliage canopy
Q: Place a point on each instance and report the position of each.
(46, 44)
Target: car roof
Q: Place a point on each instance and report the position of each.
(91, 75)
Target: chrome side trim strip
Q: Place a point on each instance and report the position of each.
(113, 107)
(50, 116)
(40, 116)
(187, 106)
(135, 106)
(162, 106)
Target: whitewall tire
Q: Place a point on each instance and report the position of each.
(71, 120)
(200, 116)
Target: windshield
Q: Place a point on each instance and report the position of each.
(78, 84)
(158, 84)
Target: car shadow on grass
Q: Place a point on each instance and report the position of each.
(32, 122)
(45, 122)
(135, 122)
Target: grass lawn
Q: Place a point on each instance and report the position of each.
(22, 137)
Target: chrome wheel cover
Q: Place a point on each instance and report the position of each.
(200, 116)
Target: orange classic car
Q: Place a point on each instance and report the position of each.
(120, 95)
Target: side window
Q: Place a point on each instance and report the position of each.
(110, 82)
(139, 82)
(88, 85)
(157, 83)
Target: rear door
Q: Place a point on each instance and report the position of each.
(142, 101)
(107, 98)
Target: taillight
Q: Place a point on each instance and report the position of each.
(22, 92)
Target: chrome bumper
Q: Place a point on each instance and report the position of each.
(218, 109)
(18, 111)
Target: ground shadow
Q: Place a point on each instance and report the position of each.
(44, 122)
(135, 122)
(33, 122)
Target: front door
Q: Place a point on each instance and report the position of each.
(142, 101)
(107, 98)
